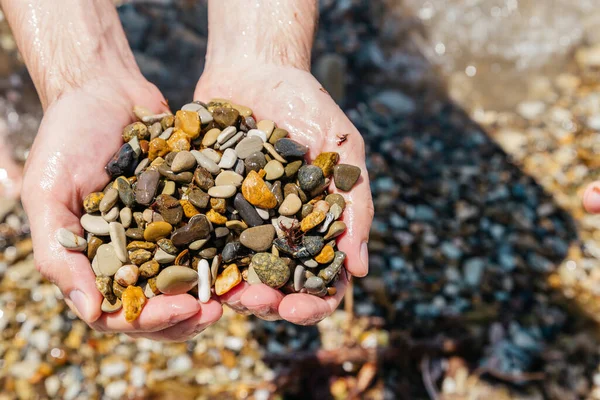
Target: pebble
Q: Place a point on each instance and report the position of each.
(335, 230)
(209, 252)
(225, 116)
(203, 178)
(227, 134)
(104, 285)
(336, 198)
(299, 277)
(212, 154)
(274, 153)
(198, 198)
(188, 208)
(157, 230)
(228, 159)
(219, 205)
(157, 148)
(94, 224)
(271, 269)
(312, 220)
(229, 178)
(232, 141)
(243, 110)
(109, 200)
(214, 268)
(141, 166)
(70, 241)
(204, 281)
(345, 176)
(315, 285)
(125, 191)
(329, 218)
(133, 300)
(259, 238)
(107, 261)
(166, 135)
(221, 232)
(248, 146)
(239, 168)
(277, 134)
(137, 130)
(310, 177)
(310, 262)
(125, 216)
(331, 271)
(257, 192)
(188, 122)
(290, 148)
(231, 251)
(205, 116)
(197, 227)
(257, 133)
(155, 130)
(138, 244)
(179, 141)
(252, 278)
(169, 188)
(118, 240)
(267, 126)
(163, 257)
(222, 191)
(210, 138)
(197, 245)
(292, 168)
(169, 208)
(91, 203)
(184, 161)
(140, 256)
(127, 275)
(227, 280)
(291, 205)
(206, 162)
(313, 244)
(326, 161)
(246, 211)
(274, 170)
(215, 217)
(176, 280)
(123, 162)
(326, 255)
(109, 307)
(149, 269)
(92, 247)
(255, 162)
(167, 245)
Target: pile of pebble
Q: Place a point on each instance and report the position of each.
(209, 197)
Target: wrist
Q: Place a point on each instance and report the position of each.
(263, 31)
(69, 43)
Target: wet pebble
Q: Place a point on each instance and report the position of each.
(176, 280)
(310, 177)
(271, 269)
(184, 161)
(259, 238)
(290, 148)
(345, 176)
(94, 224)
(70, 241)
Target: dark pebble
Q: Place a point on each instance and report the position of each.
(203, 178)
(123, 162)
(231, 251)
(125, 192)
(198, 198)
(225, 116)
(310, 177)
(345, 176)
(277, 191)
(197, 227)
(247, 211)
(240, 167)
(255, 162)
(290, 148)
(169, 208)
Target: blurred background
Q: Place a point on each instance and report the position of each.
(482, 125)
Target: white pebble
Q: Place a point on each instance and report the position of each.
(226, 134)
(228, 159)
(212, 154)
(115, 390)
(205, 115)
(222, 192)
(127, 275)
(264, 214)
(206, 162)
(111, 215)
(166, 134)
(258, 133)
(204, 281)
(94, 224)
(118, 240)
(70, 241)
(125, 216)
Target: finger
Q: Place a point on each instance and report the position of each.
(69, 270)
(591, 198)
(185, 330)
(359, 211)
(159, 313)
(262, 301)
(306, 309)
(233, 299)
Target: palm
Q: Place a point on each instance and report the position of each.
(78, 135)
(296, 101)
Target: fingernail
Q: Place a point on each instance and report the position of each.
(364, 255)
(80, 302)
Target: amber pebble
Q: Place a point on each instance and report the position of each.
(157, 148)
(133, 302)
(145, 146)
(227, 280)
(215, 217)
(91, 203)
(311, 220)
(188, 122)
(331, 291)
(256, 191)
(326, 161)
(219, 205)
(188, 208)
(326, 255)
(179, 141)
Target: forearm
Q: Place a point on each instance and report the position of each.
(68, 42)
(274, 32)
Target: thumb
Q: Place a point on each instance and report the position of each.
(69, 270)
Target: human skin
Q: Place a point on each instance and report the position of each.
(88, 83)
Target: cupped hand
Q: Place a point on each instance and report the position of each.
(79, 133)
(297, 102)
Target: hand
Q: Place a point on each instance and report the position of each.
(78, 135)
(296, 101)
